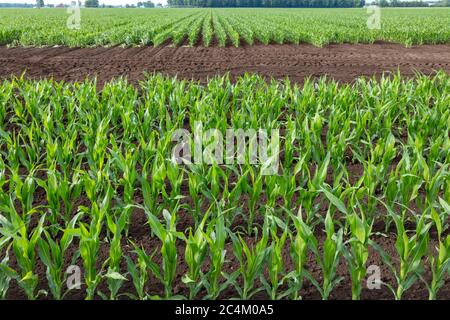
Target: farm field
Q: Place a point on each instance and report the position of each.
(116, 164)
(89, 176)
(234, 27)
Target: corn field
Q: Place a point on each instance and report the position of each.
(87, 179)
(222, 27)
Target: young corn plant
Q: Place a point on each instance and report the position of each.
(113, 276)
(358, 251)
(218, 182)
(194, 255)
(195, 183)
(309, 194)
(275, 263)
(434, 183)
(52, 253)
(26, 152)
(23, 191)
(439, 258)
(409, 182)
(5, 245)
(90, 241)
(410, 250)
(360, 230)
(301, 240)
(139, 272)
(127, 165)
(96, 142)
(216, 235)
(52, 189)
(273, 189)
(24, 245)
(255, 190)
(175, 175)
(333, 247)
(376, 169)
(289, 183)
(252, 260)
(168, 236)
(233, 197)
(153, 189)
(5, 279)
(58, 188)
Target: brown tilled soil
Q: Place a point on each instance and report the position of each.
(341, 62)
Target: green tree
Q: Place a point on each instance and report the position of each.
(40, 3)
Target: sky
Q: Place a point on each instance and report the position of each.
(112, 2)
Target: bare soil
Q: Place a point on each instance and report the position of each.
(343, 62)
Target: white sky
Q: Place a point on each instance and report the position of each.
(113, 2)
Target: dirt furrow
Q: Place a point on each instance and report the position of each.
(341, 62)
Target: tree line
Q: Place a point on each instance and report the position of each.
(397, 3)
(269, 3)
(411, 4)
(140, 4)
(16, 5)
(146, 4)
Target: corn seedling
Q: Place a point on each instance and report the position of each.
(301, 241)
(113, 276)
(275, 262)
(5, 279)
(439, 257)
(168, 236)
(24, 245)
(216, 235)
(140, 271)
(90, 242)
(410, 250)
(358, 251)
(333, 247)
(252, 260)
(194, 255)
(52, 253)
